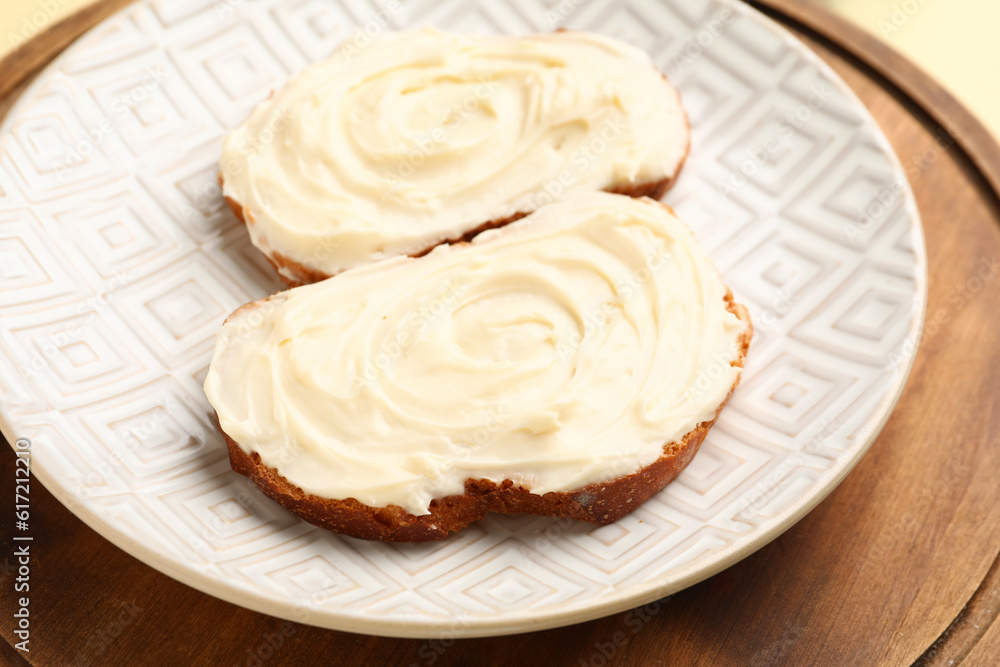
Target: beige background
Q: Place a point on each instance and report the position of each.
(953, 40)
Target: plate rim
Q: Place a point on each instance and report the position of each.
(563, 614)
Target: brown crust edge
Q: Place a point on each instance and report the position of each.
(295, 274)
(599, 503)
(303, 275)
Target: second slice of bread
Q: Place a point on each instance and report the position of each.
(599, 503)
(597, 323)
(427, 138)
(295, 274)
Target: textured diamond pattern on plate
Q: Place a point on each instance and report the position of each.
(119, 260)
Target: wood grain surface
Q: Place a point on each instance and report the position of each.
(897, 566)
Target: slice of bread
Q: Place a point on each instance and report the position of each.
(300, 417)
(599, 503)
(426, 138)
(295, 274)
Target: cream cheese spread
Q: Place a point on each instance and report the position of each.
(423, 136)
(562, 350)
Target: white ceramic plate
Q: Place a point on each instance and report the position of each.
(119, 260)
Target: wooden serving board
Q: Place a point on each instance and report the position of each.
(897, 566)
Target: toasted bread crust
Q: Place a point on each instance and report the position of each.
(599, 503)
(294, 274)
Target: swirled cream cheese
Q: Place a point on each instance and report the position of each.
(423, 136)
(565, 349)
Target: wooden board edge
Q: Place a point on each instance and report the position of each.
(910, 80)
(976, 141)
(39, 50)
(977, 616)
